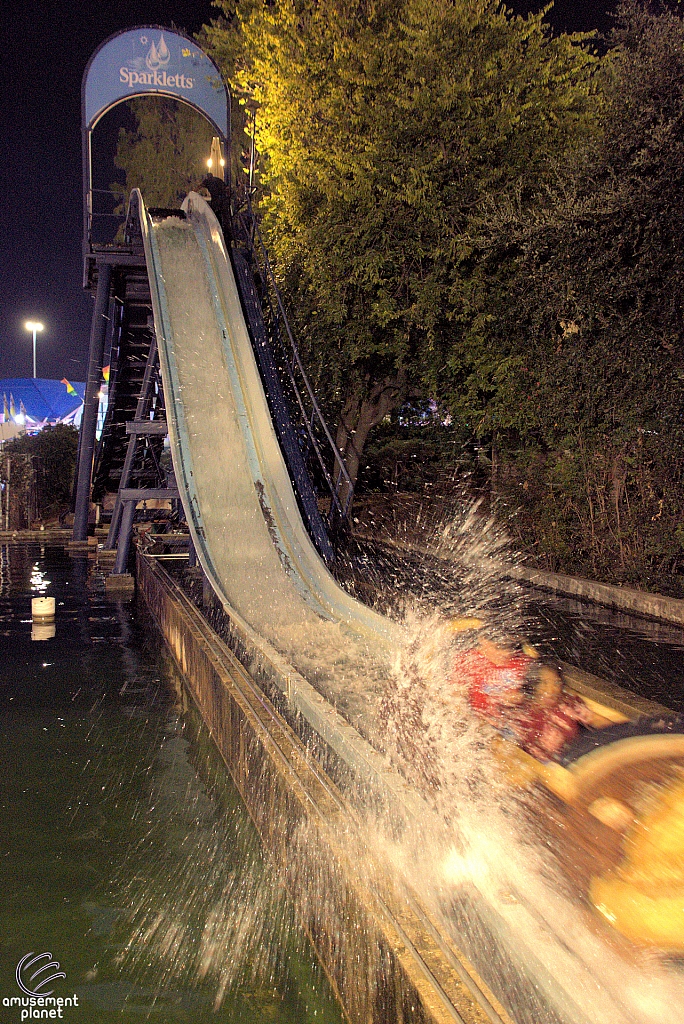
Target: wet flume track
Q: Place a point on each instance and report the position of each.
(499, 888)
(487, 875)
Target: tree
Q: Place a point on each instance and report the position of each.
(40, 472)
(166, 154)
(585, 294)
(381, 126)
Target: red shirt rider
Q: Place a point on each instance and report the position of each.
(493, 688)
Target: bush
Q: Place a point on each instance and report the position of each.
(41, 473)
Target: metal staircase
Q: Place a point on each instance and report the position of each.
(311, 454)
(128, 460)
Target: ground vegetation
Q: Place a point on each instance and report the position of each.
(37, 475)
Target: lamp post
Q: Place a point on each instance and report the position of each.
(34, 326)
(216, 163)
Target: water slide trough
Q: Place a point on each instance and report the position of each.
(531, 955)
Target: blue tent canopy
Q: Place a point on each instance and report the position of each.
(43, 399)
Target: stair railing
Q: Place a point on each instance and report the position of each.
(293, 375)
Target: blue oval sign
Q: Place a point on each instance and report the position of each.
(150, 59)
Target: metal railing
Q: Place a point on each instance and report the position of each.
(304, 408)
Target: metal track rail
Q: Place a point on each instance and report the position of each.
(310, 416)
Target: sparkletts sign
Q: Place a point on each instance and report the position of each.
(150, 59)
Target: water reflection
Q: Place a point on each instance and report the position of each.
(126, 852)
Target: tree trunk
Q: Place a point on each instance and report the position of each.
(494, 478)
(358, 417)
(618, 483)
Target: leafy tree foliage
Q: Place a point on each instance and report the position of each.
(382, 125)
(166, 154)
(40, 473)
(585, 295)
(465, 208)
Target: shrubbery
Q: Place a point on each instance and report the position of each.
(37, 472)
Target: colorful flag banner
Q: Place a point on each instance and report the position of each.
(105, 373)
(71, 390)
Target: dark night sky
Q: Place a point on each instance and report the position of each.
(46, 46)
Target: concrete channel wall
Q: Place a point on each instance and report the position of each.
(625, 599)
(382, 955)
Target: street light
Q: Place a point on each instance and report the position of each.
(216, 159)
(34, 326)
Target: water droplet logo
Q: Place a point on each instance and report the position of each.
(159, 55)
(25, 965)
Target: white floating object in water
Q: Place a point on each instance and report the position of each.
(43, 608)
(42, 630)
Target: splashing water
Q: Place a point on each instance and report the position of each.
(207, 911)
(491, 875)
(485, 867)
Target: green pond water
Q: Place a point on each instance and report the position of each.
(125, 852)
